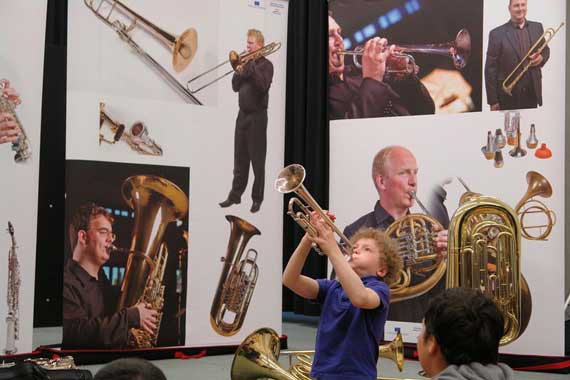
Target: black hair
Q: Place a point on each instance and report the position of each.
(130, 369)
(466, 324)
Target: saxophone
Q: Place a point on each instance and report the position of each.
(22, 145)
(13, 297)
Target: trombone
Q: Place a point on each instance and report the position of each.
(183, 47)
(512, 79)
(236, 60)
(401, 62)
(290, 180)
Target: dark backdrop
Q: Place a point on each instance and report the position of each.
(306, 140)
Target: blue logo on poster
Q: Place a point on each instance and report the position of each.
(257, 4)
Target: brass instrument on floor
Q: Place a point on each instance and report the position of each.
(183, 47)
(156, 203)
(258, 357)
(403, 63)
(538, 185)
(237, 281)
(417, 248)
(484, 252)
(290, 180)
(12, 297)
(22, 145)
(524, 65)
(236, 60)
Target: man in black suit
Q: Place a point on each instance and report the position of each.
(508, 44)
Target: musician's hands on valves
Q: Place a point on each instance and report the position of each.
(376, 53)
(9, 130)
(440, 240)
(325, 238)
(147, 317)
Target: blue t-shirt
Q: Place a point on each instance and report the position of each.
(348, 337)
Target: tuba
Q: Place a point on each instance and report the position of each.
(156, 203)
(237, 280)
(415, 241)
(538, 185)
(484, 253)
(258, 354)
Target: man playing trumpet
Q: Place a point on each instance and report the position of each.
(508, 44)
(9, 131)
(394, 173)
(354, 94)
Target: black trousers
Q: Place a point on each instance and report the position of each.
(250, 145)
(523, 97)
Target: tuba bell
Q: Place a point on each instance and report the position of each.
(538, 185)
(156, 203)
(415, 242)
(237, 280)
(484, 253)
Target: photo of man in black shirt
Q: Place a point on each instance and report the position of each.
(90, 319)
(251, 81)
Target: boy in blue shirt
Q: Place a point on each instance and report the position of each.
(354, 307)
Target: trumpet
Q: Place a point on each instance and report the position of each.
(236, 60)
(183, 47)
(402, 63)
(290, 180)
(524, 65)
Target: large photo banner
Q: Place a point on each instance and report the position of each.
(175, 131)
(21, 78)
(502, 153)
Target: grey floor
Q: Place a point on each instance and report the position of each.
(301, 336)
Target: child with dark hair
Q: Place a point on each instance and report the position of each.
(460, 337)
(130, 369)
(354, 308)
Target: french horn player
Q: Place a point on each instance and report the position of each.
(422, 239)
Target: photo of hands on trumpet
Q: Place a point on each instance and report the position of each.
(11, 129)
(386, 77)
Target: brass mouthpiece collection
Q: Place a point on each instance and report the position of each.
(512, 136)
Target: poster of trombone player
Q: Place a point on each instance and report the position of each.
(404, 57)
(517, 52)
(126, 263)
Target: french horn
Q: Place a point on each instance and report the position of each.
(237, 281)
(538, 185)
(414, 238)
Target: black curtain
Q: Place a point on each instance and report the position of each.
(306, 142)
(306, 126)
(51, 197)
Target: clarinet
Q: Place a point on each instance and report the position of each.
(13, 297)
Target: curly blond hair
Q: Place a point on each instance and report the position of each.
(388, 249)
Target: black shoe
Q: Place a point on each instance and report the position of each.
(255, 206)
(228, 202)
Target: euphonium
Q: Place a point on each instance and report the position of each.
(417, 248)
(156, 202)
(237, 280)
(538, 185)
(484, 253)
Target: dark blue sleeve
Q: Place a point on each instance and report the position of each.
(324, 286)
(383, 292)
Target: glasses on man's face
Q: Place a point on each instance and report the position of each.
(107, 233)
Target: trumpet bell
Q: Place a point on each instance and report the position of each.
(185, 48)
(461, 49)
(290, 178)
(394, 351)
